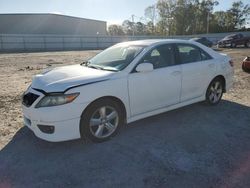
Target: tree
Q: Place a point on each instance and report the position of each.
(150, 14)
(179, 17)
(187, 17)
(150, 28)
(204, 13)
(221, 22)
(233, 19)
(128, 27)
(140, 28)
(115, 30)
(166, 10)
(240, 13)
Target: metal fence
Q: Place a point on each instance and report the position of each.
(28, 43)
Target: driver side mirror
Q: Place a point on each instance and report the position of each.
(145, 67)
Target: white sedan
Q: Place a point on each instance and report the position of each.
(122, 84)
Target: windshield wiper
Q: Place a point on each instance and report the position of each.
(88, 64)
(85, 63)
(94, 67)
(109, 69)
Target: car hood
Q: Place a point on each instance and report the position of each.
(225, 39)
(62, 78)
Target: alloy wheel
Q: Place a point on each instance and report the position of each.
(104, 122)
(215, 92)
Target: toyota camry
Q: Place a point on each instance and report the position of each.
(124, 83)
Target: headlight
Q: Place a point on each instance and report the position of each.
(56, 99)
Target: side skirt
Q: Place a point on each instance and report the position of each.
(165, 109)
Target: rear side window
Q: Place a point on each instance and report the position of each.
(205, 56)
(190, 54)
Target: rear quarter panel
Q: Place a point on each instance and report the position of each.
(224, 68)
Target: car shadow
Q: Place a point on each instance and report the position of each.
(194, 146)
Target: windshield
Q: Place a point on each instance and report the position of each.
(230, 36)
(115, 58)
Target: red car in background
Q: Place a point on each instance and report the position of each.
(246, 64)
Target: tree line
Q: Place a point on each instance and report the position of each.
(185, 17)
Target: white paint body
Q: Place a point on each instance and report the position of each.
(143, 94)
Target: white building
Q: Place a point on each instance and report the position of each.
(50, 24)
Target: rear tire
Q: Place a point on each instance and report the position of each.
(101, 120)
(247, 44)
(219, 46)
(233, 45)
(214, 92)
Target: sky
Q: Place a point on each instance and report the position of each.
(112, 11)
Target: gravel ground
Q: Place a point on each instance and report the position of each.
(195, 146)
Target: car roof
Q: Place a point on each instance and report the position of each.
(150, 42)
(194, 38)
(197, 38)
(231, 35)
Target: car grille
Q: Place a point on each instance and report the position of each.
(29, 99)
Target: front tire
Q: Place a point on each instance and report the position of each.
(214, 92)
(101, 120)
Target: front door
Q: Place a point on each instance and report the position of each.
(159, 88)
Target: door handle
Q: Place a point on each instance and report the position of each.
(175, 73)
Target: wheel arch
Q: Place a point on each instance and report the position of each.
(222, 78)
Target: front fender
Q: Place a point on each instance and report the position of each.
(114, 87)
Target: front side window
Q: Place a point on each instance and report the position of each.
(115, 58)
(161, 56)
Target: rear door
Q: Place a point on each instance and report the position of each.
(197, 67)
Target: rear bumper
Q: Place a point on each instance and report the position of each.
(229, 80)
(246, 64)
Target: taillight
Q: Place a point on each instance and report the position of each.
(231, 63)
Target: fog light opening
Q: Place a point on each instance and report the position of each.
(48, 129)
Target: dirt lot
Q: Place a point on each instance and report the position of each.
(195, 146)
